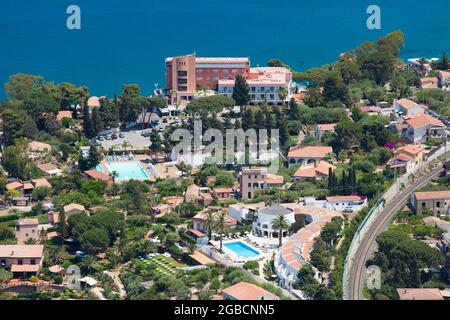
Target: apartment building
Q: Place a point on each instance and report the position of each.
(252, 180)
(436, 201)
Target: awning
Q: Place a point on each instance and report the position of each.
(25, 268)
(201, 258)
(90, 281)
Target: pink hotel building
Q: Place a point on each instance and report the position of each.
(186, 74)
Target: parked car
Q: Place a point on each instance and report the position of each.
(108, 137)
(114, 136)
(121, 135)
(101, 138)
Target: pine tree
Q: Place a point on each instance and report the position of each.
(444, 63)
(94, 157)
(294, 110)
(248, 119)
(241, 91)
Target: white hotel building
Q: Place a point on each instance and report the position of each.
(262, 223)
(264, 84)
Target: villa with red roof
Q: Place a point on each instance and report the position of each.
(421, 127)
(200, 218)
(307, 155)
(318, 170)
(406, 158)
(407, 107)
(22, 259)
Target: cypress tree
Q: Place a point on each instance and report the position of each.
(87, 127)
(330, 181)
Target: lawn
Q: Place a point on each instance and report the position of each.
(164, 265)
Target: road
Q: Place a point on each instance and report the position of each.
(367, 244)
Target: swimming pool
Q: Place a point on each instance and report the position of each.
(241, 249)
(126, 170)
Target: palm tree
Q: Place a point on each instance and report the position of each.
(57, 255)
(125, 145)
(184, 168)
(145, 247)
(219, 225)
(11, 194)
(114, 148)
(205, 294)
(283, 94)
(280, 223)
(42, 236)
(30, 241)
(209, 222)
(113, 176)
(88, 263)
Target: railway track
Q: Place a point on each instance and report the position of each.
(357, 272)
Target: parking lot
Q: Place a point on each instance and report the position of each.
(134, 138)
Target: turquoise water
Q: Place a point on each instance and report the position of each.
(126, 170)
(127, 41)
(241, 249)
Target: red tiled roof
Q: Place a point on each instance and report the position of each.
(421, 120)
(97, 175)
(309, 152)
(247, 291)
(419, 294)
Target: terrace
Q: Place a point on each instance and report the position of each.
(164, 264)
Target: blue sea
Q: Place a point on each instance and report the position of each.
(126, 41)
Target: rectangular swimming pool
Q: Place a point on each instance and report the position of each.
(241, 249)
(126, 170)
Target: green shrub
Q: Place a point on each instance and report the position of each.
(58, 279)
